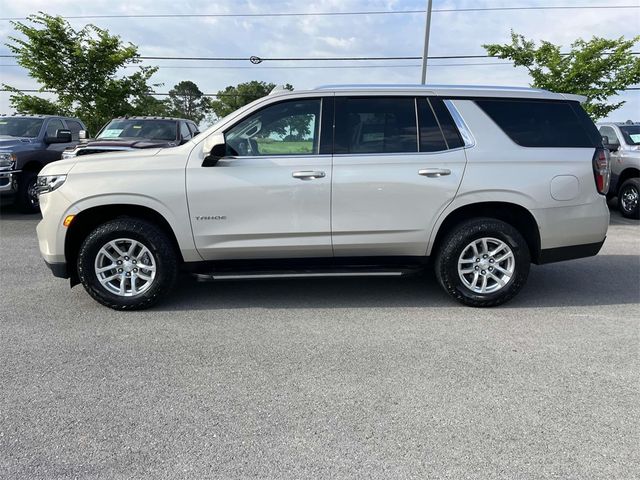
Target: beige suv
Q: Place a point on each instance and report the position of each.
(481, 181)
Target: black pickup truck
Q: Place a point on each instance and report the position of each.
(28, 143)
(131, 133)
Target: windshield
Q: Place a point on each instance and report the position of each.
(147, 129)
(631, 134)
(20, 127)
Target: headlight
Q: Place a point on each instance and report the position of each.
(49, 183)
(69, 154)
(7, 160)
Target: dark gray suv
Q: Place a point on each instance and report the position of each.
(28, 143)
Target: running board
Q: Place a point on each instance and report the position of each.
(205, 277)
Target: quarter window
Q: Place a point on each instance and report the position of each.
(286, 128)
(376, 125)
(538, 123)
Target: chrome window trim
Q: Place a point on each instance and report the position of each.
(467, 137)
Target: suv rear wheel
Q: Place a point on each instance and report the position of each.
(483, 262)
(628, 198)
(127, 264)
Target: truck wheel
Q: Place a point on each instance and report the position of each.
(27, 194)
(483, 262)
(628, 198)
(127, 264)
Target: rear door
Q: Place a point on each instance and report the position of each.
(396, 166)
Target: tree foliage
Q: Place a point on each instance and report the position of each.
(232, 98)
(598, 68)
(82, 68)
(187, 101)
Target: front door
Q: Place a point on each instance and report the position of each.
(270, 195)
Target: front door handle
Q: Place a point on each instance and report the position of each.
(434, 172)
(308, 175)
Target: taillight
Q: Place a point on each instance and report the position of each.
(602, 170)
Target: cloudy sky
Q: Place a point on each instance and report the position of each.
(453, 33)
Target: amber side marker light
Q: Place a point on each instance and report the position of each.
(67, 220)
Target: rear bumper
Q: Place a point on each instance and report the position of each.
(560, 254)
(58, 269)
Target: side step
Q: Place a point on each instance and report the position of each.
(353, 272)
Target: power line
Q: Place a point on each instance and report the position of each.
(343, 67)
(309, 59)
(335, 14)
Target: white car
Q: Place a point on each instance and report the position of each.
(340, 179)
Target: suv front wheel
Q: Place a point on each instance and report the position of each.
(628, 198)
(127, 264)
(483, 262)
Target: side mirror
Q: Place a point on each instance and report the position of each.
(62, 136)
(214, 149)
(82, 135)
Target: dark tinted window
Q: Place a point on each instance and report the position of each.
(431, 139)
(631, 134)
(449, 129)
(375, 125)
(75, 128)
(535, 123)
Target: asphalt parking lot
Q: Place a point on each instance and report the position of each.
(322, 378)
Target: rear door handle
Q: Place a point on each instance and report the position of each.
(308, 175)
(434, 172)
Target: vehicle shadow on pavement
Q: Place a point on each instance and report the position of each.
(601, 280)
(9, 211)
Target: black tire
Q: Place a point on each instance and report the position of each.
(457, 240)
(25, 200)
(153, 238)
(629, 191)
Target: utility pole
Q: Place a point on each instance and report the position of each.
(427, 31)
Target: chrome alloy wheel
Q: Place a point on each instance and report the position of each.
(486, 265)
(32, 193)
(125, 267)
(629, 198)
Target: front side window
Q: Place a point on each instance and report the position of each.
(286, 128)
(610, 134)
(184, 131)
(53, 126)
(75, 128)
(376, 125)
(20, 127)
(141, 129)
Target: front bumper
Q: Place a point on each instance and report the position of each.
(9, 181)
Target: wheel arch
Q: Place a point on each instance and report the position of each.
(626, 174)
(87, 220)
(515, 215)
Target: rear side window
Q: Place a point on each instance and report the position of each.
(537, 123)
(375, 125)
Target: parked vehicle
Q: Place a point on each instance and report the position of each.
(131, 133)
(28, 143)
(379, 179)
(623, 141)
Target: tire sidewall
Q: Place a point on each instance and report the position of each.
(475, 230)
(631, 183)
(156, 243)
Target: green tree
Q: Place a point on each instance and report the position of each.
(80, 67)
(598, 68)
(187, 101)
(232, 98)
